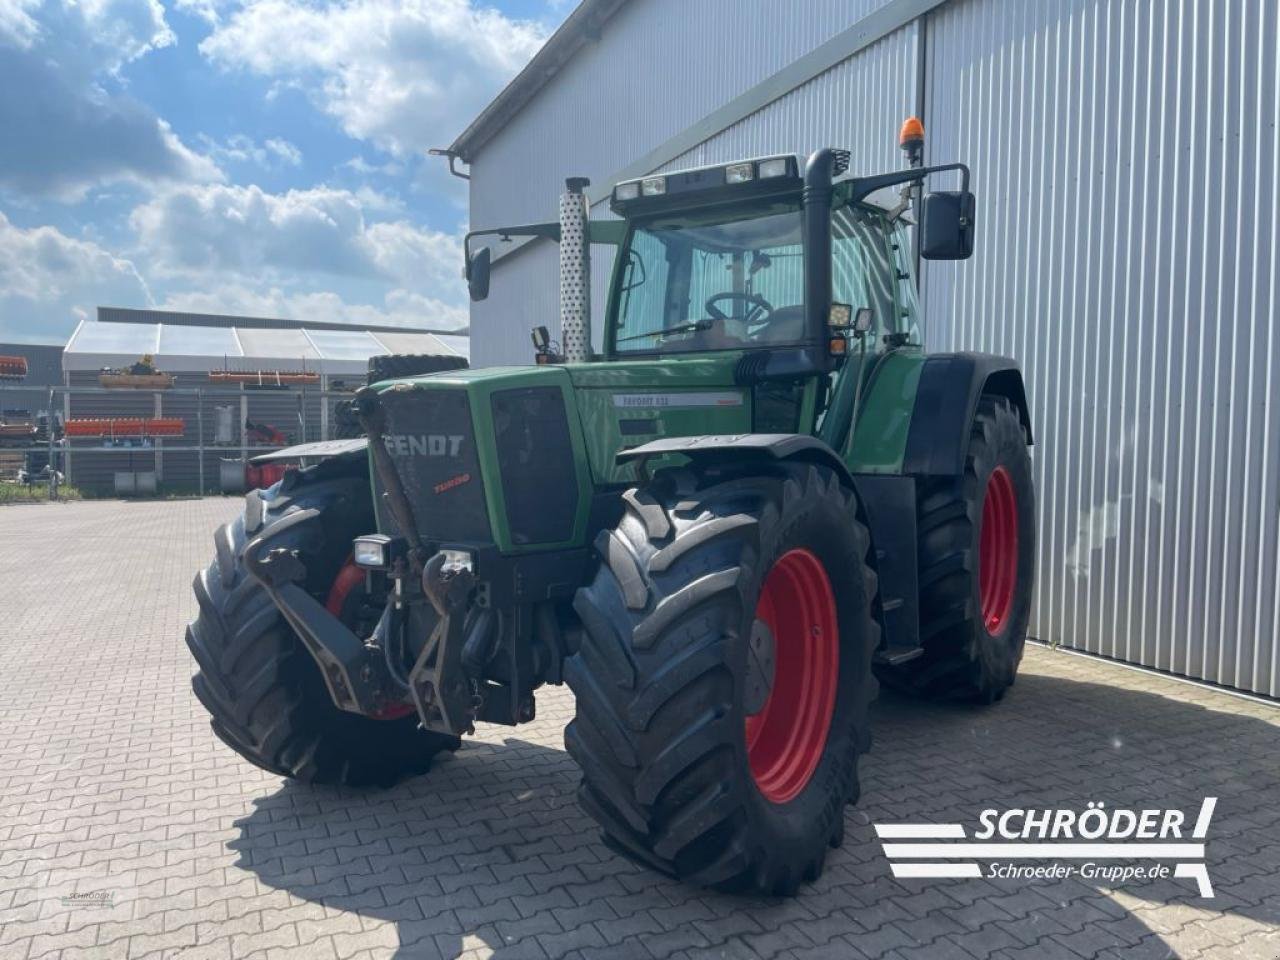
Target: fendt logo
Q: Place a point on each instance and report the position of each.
(423, 444)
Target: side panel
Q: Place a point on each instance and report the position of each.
(625, 404)
(884, 420)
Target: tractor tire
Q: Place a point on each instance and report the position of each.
(265, 695)
(396, 365)
(702, 754)
(977, 566)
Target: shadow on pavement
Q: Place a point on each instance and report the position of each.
(490, 850)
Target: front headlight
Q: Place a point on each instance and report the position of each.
(457, 560)
(373, 551)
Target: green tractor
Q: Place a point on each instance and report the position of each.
(757, 498)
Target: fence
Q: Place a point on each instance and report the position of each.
(110, 439)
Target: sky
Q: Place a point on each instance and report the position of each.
(253, 157)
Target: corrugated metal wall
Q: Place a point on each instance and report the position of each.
(658, 67)
(1124, 158)
(857, 105)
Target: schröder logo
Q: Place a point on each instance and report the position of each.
(1096, 837)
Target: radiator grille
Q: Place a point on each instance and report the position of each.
(535, 458)
(432, 443)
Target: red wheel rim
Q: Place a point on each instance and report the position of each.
(785, 739)
(349, 578)
(998, 551)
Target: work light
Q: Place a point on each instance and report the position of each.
(626, 191)
(774, 167)
(374, 551)
(653, 186)
(457, 560)
(739, 172)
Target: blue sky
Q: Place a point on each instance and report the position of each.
(262, 157)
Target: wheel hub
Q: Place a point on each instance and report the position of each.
(787, 735)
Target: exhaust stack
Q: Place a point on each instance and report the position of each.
(575, 272)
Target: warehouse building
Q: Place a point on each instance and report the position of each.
(201, 419)
(1124, 157)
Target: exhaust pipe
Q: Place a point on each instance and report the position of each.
(575, 272)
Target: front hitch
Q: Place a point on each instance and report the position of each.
(446, 697)
(354, 672)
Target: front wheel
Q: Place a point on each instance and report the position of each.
(723, 679)
(264, 693)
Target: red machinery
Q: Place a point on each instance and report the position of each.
(13, 368)
(112, 427)
(261, 476)
(264, 434)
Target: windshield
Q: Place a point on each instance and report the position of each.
(712, 280)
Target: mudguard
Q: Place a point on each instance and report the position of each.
(772, 446)
(946, 400)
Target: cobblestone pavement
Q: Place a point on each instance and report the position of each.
(128, 830)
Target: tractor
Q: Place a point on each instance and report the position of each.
(723, 526)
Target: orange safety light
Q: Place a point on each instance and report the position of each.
(911, 136)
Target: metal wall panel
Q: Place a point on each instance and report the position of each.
(1124, 155)
(658, 67)
(857, 105)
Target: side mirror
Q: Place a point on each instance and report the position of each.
(478, 274)
(947, 229)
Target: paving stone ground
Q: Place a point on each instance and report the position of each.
(127, 830)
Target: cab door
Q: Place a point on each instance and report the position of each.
(863, 275)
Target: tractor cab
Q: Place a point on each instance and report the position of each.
(751, 256)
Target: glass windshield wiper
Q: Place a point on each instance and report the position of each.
(690, 327)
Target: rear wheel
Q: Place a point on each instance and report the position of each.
(723, 679)
(264, 693)
(977, 566)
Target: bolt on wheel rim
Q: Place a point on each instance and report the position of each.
(786, 737)
(998, 551)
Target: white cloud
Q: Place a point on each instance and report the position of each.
(49, 280)
(284, 150)
(246, 231)
(403, 74)
(272, 153)
(17, 27)
(67, 124)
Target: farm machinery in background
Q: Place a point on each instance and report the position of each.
(141, 375)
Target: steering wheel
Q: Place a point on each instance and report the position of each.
(754, 300)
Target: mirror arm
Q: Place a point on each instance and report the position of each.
(862, 187)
